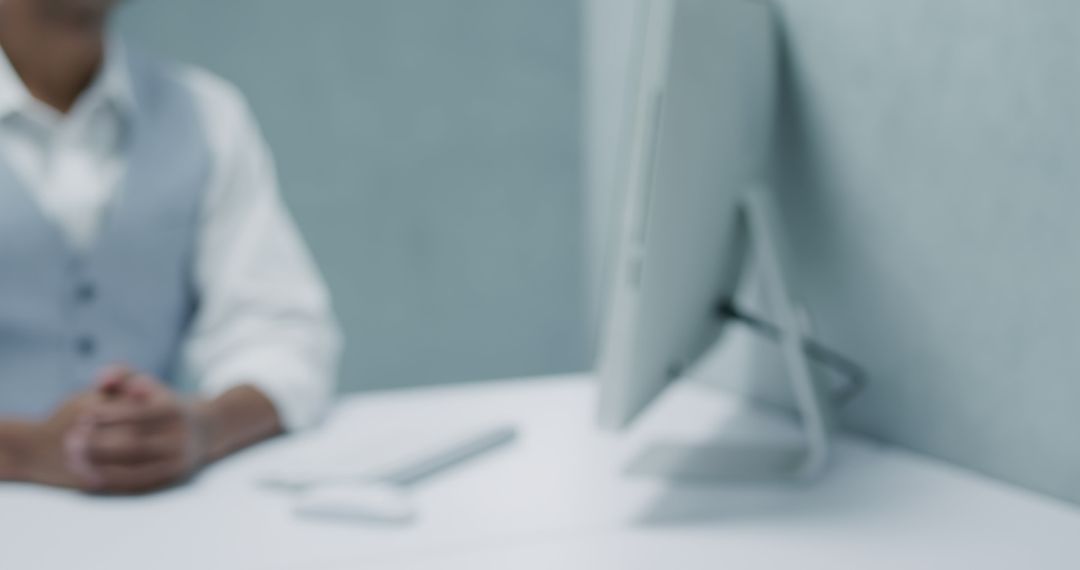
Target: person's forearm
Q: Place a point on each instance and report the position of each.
(14, 449)
(238, 418)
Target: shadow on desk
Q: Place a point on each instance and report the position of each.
(855, 485)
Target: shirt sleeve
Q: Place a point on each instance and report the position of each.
(264, 317)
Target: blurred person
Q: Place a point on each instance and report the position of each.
(158, 308)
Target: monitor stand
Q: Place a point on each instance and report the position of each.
(737, 461)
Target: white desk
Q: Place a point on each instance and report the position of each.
(555, 499)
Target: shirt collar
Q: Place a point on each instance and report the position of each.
(13, 93)
(115, 77)
(112, 83)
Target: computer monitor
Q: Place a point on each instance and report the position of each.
(699, 138)
(696, 208)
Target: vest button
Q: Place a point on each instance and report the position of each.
(86, 292)
(86, 346)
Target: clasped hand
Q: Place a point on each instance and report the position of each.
(131, 434)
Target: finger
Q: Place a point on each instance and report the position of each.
(76, 456)
(148, 415)
(113, 379)
(140, 478)
(125, 445)
(145, 388)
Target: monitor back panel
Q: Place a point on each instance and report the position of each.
(703, 118)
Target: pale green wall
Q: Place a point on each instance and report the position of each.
(933, 190)
(431, 151)
(931, 185)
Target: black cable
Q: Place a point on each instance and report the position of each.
(856, 376)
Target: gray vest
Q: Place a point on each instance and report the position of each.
(64, 314)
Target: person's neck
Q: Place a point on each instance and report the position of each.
(55, 61)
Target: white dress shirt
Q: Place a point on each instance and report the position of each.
(264, 315)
